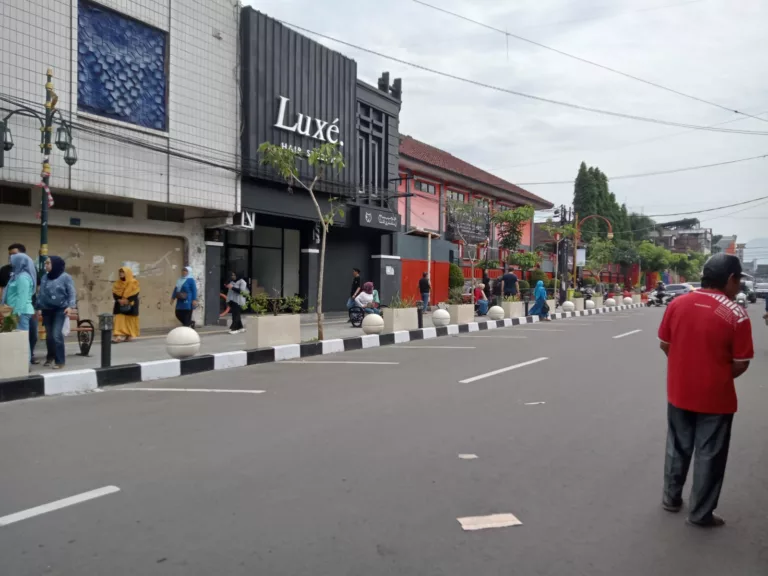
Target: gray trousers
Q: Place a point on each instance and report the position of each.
(710, 436)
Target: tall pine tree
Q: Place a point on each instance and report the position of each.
(585, 199)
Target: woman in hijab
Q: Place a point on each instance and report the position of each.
(236, 291)
(21, 289)
(185, 295)
(365, 298)
(56, 300)
(126, 310)
(540, 308)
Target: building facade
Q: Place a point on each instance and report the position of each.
(683, 236)
(150, 88)
(299, 94)
(431, 180)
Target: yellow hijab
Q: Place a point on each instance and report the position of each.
(128, 287)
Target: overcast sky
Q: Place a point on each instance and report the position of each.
(713, 49)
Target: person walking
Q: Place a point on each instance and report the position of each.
(33, 326)
(236, 291)
(487, 284)
(540, 308)
(424, 290)
(21, 290)
(509, 284)
(56, 300)
(185, 296)
(707, 339)
(355, 289)
(125, 291)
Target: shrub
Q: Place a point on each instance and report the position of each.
(456, 295)
(590, 281)
(578, 294)
(523, 285)
(537, 275)
(455, 277)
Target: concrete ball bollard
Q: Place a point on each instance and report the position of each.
(589, 305)
(373, 324)
(610, 302)
(441, 317)
(628, 300)
(496, 313)
(568, 306)
(182, 342)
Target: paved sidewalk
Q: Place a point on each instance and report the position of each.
(213, 339)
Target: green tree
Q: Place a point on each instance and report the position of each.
(640, 227)
(585, 199)
(511, 224)
(455, 276)
(524, 260)
(653, 258)
(321, 159)
(599, 255)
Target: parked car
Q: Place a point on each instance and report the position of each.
(748, 287)
(675, 290)
(694, 285)
(761, 289)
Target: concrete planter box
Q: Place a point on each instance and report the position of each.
(14, 354)
(269, 330)
(551, 304)
(397, 319)
(598, 300)
(461, 313)
(636, 298)
(579, 303)
(513, 309)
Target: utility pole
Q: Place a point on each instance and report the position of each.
(45, 148)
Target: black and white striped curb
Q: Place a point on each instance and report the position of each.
(65, 382)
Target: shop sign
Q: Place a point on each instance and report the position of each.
(307, 126)
(469, 225)
(381, 219)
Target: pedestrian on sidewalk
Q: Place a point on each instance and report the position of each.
(355, 289)
(509, 284)
(540, 308)
(487, 285)
(21, 290)
(21, 249)
(707, 338)
(125, 291)
(56, 300)
(185, 296)
(236, 292)
(5, 277)
(424, 290)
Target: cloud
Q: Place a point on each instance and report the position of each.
(713, 49)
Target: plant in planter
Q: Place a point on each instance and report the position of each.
(269, 328)
(460, 312)
(513, 306)
(293, 304)
(401, 314)
(578, 300)
(14, 347)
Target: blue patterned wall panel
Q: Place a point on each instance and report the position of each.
(121, 71)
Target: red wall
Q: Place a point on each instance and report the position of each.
(411, 273)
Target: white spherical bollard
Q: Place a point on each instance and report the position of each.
(441, 317)
(568, 306)
(182, 342)
(589, 305)
(496, 313)
(610, 302)
(373, 324)
(628, 300)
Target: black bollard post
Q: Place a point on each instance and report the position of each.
(420, 313)
(106, 325)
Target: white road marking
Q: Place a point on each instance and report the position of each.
(502, 370)
(211, 390)
(626, 334)
(438, 347)
(543, 330)
(337, 362)
(57, 505)
(494, 337)
(534, 403)
(492, 521)
(468, 456)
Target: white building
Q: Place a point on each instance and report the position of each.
(152, 90)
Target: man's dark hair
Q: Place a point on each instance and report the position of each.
(718, 269)
(356, 270)
(20, 247)
(5, 275)
(424, 274)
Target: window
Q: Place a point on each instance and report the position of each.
(92, 205)
(15, 196)
(165, 213)
(456, 196)
(482, 203)
(372, 149)
(121, 67)
(425, 187)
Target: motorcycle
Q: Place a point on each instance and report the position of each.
(741, 300)
(656, 298)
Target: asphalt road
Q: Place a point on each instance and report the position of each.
(354, 469)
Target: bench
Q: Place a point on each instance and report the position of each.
(85, 331)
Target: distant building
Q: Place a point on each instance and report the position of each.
(683, 236)
(727, 244)
(740, 251)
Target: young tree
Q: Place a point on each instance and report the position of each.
(511, 224)
(470, 225)
(653, 258)
(525, 261)
(321, 159)
(600, 255)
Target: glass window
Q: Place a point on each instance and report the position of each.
(241, 237)
(267, 237)
(267, 266)
(456, 196)
(425, 187)
(237, 261)
(482, 202)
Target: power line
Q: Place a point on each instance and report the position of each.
(709, 209)
(590, 62)
(523, 94)
(658, 173)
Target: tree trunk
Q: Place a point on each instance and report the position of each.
(472, 284)
(320, 334)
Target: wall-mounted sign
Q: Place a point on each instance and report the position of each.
(381, 219)
(468, 224)
(390, 270)
(581, 257)
(244, 220)
(307, 126)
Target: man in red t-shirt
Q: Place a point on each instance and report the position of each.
(707, 338)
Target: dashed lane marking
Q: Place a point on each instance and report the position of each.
(492, 521)
(502, 370)
(626, 334)
(57, 505)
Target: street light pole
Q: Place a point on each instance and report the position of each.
(45, 148)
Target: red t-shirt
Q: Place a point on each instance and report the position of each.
(706, 333)
(478, 294)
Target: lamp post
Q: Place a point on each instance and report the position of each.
(577, 236)
(63, 143)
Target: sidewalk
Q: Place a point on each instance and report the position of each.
(212, 339)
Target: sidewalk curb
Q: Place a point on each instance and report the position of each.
(66, 382)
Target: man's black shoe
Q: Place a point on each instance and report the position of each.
(714, 521)
(672, 506)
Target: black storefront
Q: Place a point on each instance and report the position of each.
(298, 93)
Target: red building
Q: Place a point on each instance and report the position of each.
(431, 177)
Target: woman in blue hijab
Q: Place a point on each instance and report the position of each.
(56, 300)
(21, 289)
(185, 296)
(540, 308)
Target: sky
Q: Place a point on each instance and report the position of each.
(712, 49)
